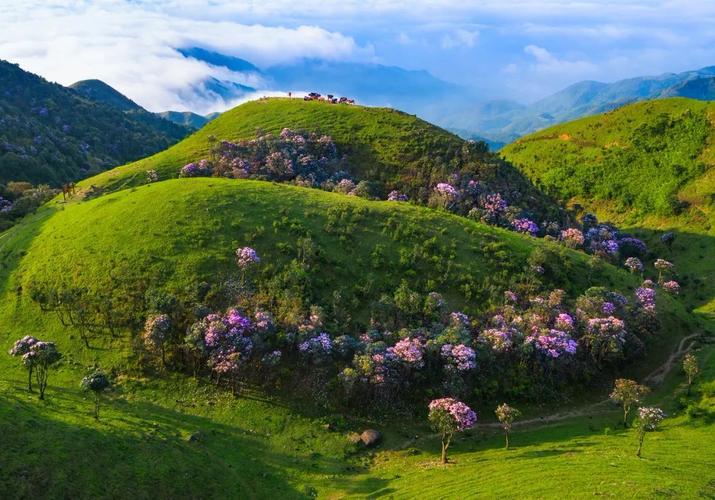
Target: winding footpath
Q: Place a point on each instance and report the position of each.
(655, 378)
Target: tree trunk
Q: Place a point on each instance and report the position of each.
(506, 435)
(29, 378)
(445, 444)
(41, 375)
(96, 405)
(640, 444)
(625, 417)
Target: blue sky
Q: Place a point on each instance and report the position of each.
(521, 50)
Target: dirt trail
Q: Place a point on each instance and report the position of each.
(654, 378)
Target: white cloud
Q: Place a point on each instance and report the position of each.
(131, 47)
(460, 38)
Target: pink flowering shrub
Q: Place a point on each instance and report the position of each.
(38, 357)
(410, 351)
(672, 287)
(447, 417)
(246, 257)
(572, 237)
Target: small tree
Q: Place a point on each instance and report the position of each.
(627, 393)
(96, 382)
(156, 334)
(21, 348)
(42, 355)
(691, 368)
(648, 420)
(449, 416)
(506, 415)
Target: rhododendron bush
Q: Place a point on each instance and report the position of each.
(530, 346)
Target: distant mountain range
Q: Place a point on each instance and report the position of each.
(54, 134)
(506, 120)
(454, 107)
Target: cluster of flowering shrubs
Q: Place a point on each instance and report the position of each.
(528, 347)
(306, 159)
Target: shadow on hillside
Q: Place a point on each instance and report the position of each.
(16, 241)
(138, 449)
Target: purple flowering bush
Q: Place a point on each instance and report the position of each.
(525, 226)
(447, 417)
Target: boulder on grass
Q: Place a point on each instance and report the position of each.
(370, 437)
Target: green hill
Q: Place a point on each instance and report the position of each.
(187, 118)
(98, 91)
(174, 234)
(394, 149)
(52, 134)
(649, 167)
(180, 232)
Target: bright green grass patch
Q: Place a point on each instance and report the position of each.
(638, 157)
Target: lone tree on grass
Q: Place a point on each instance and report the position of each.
(691, 369)
(628, 392)
(96, 382)
(506, 415)
(648, 420)
(41, 356)
(449, 416)
(21, 348)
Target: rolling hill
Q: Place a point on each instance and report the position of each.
(187, 118)
(650, 167)
(100, 92)
(343, 253)
(52, 134)
(382, 145)
(176, 233)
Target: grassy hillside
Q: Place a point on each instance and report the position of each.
(381, 144)
(177, 233)
(643, 158)
(52, 134)
(174, 234)
(649, 167)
